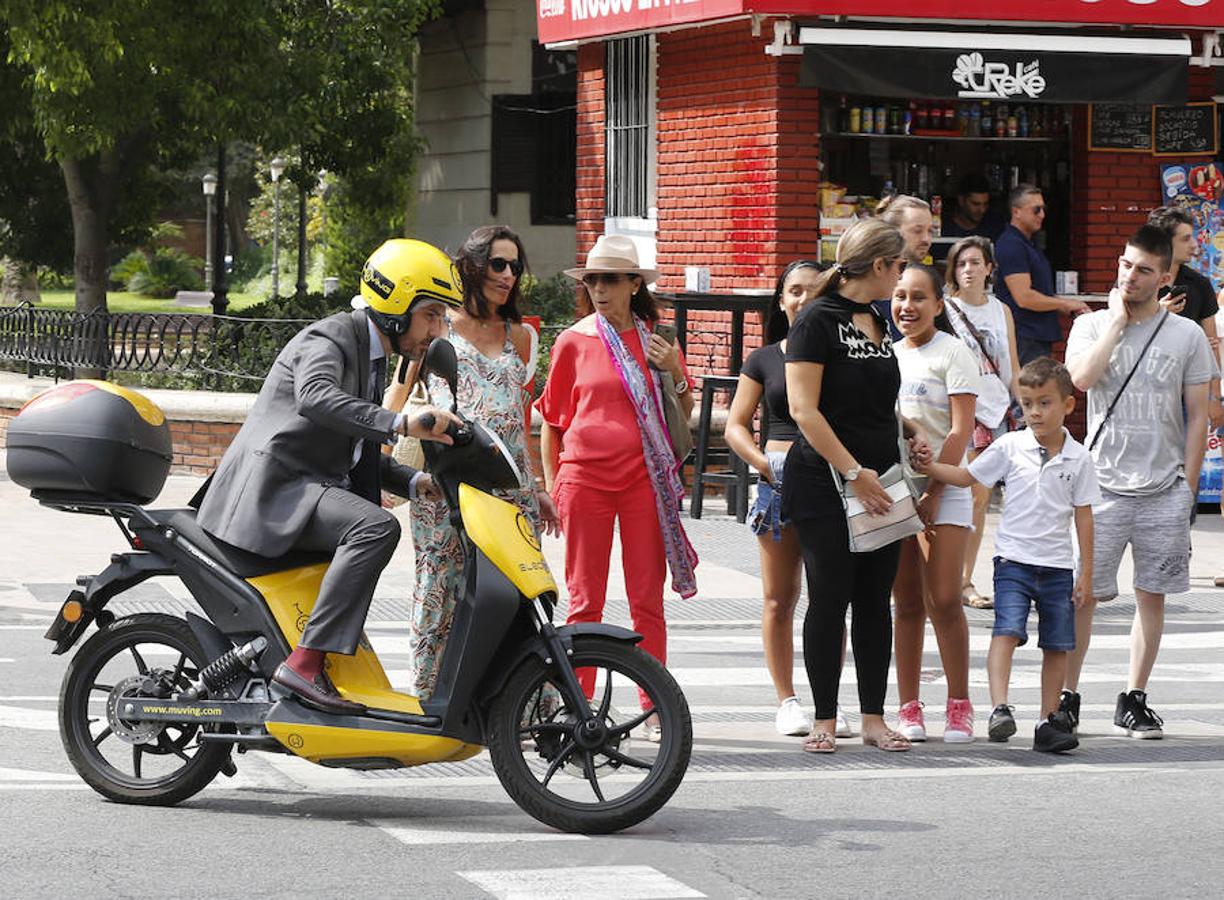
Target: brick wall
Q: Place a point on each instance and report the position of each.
(589, 192)
(737, 168)
(1114, 192)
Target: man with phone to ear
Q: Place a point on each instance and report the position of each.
(1192, 296)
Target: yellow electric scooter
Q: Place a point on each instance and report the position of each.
(153, 705)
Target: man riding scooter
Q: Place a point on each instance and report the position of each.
(305, 471)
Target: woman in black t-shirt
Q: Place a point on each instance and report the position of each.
(764, 374)
(842, 381)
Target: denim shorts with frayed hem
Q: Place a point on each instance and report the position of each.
(1020, 586)
(765, 517)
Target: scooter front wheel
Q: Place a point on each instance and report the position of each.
(605, 773)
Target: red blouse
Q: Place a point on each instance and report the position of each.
(585, 400)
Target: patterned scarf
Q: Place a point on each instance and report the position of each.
(661, 463)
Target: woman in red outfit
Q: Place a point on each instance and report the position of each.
(606, 451)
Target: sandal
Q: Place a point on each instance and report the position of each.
(887, 740)
(823, 742)
(971, 598)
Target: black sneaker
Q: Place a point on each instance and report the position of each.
(1002, 723)
(1054, 735)
(1134, 718)
(1069, 703)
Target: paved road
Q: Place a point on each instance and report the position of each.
(754, 818)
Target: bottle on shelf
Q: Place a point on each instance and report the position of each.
(843, 116)
(975, 120)
(856, 119)
(881, 119)
(920, 116)
(962, 119)
(1000, 120)
(987, 120)
(910, 113)
(1022, 122)
(949, 116)
(868, 119)
(1013, 125)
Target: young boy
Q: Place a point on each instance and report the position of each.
(1050, 479)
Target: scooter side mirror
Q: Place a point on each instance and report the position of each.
(441, 360)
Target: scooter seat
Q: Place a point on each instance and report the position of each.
(242, 563)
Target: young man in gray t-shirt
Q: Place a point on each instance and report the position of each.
(1147, 455)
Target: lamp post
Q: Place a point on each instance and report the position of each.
(209, 181)
(277, 168)
(301, 268)
(220, 298)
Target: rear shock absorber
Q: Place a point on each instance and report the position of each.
(225, 670)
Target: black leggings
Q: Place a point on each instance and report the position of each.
(838, 579)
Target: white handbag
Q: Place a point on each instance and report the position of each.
(868, 532)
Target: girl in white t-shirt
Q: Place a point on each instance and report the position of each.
(985, 324)
(939, 385)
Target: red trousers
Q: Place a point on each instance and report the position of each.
(587, 515)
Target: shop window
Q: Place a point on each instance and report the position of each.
(535, 146)
(628, 105)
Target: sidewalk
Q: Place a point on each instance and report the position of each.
(44, 550)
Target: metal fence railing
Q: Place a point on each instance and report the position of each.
(206, 345)
(219, 352)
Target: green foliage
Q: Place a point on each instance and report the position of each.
(311, 306)
(159, 272)
(117, 94)
(261, 218)
(553, 300)
(168, 271)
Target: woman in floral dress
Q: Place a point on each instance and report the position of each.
(496, 359)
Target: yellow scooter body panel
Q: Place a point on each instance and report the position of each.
(291, 596)
(325, 743)
(508, 539)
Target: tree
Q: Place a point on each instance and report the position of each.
(119, 91)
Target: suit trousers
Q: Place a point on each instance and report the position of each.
(587, 517)
(362, 537)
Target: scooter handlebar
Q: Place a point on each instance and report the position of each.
(460, 434)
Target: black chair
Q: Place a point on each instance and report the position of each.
(736, 477)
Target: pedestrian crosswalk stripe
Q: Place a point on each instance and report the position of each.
(587, 882)
(455, 833)
(33, 719)
(8, 774)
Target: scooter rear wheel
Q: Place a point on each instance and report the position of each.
(606, 775)
(146, 655)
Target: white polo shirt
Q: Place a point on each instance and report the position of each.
(1040, 499)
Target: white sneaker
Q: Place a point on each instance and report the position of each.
(843, 724)
(790, 719)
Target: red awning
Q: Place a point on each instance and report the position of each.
(570, 20)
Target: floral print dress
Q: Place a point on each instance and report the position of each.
(490, 392)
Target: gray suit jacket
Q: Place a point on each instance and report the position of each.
(299, 439)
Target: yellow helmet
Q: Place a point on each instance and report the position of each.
(403, 274)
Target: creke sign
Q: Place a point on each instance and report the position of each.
(567, 20)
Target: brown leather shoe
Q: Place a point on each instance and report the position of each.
(318, 693)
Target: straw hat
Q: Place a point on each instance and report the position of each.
(614, 253)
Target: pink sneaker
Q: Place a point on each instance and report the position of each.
(958, 727)
(910, 722)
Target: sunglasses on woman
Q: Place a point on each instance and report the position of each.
(498, 264)
(606, 278)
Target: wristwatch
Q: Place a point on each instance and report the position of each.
(852, 473)
(682, 386)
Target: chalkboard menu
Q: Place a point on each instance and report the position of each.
(1119, 126)
(1185, 130)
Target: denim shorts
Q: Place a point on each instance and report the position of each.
(1018, 586)
(765, 517)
